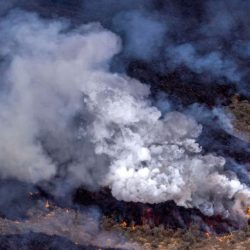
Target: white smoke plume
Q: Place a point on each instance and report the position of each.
(61, 104)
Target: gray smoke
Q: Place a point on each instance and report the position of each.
(212, 63)
(207, 37)
(143, 34)
(81, 227)
(63, 112)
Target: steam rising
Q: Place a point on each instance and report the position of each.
(64, 113)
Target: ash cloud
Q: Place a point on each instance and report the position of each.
(64, 114)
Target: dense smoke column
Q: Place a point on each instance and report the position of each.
(71, 116)
(67, 113)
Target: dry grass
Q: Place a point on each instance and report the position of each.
(241, 112)
(159, 238)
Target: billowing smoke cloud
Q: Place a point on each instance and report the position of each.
(63, 113)
(43, 106)
(169, 166)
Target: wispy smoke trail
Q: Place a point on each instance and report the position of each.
(207, 37)
(64, 113)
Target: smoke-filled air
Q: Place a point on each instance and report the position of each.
(65, 114)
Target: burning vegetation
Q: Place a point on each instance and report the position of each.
(84, 229)
(124, 125)
(167, 215)
(163, 238)
(248, 212)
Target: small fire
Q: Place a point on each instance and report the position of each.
(248, 212)
(133, 227)
(207, 234)
(225, 237)
(123, 224)
(49, 214)
(47, 205)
